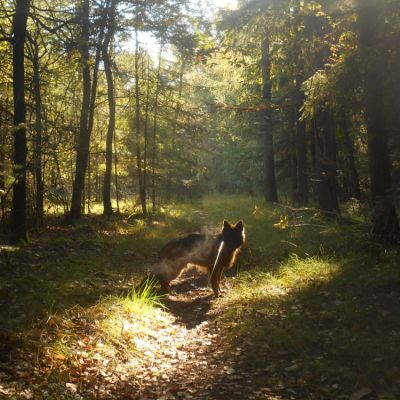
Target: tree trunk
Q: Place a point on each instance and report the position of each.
(117, 194)
(84, 133)
(154, 137)
(271, 194)
(301, 152)
(301, 196)
(2, 172)
(384, 219)
(38, 136)
(326, 163)
(111, 106)
(18, 214)
(178, 102)
(146, 127)
(354, 181)
(142, 189)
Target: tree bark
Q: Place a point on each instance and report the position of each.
(84, 133)
(2, 171)
(271, 194)
(142, 189)
(301, 152)
(354, 181)
(18, 213)
(384, 220)
(111, 106)
(301, 195)
(146, 127)
(326, 163)
(39, 211)
(154, 136)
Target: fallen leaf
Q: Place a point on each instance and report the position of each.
(71, 387)
(361, 394)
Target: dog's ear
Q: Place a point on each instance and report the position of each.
(239, 226)
(227, 224)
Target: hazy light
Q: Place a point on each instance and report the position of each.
(148, 41)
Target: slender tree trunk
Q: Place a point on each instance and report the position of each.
(351, 162)
(97, 59)
(291, 116)
(38, 137)
(84, 133)
(154, 138)
(178, 102)
(2, 172)
(301, 196)
(301, 152)
(174, 147)
(111, 106)
(326, 163)
(18, 214)
(271, 194)
(88, 186)
(96, 174)
(142, 190)
(146, 128)
(117, 195)
(384, 219)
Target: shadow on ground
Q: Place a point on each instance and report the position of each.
(190, 300)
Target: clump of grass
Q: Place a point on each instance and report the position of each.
(146, 295)
(109, 330)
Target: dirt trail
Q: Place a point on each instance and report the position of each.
(198, 362)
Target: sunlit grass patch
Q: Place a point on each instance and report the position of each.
(295, 273)
(116, 330)
(268, 305)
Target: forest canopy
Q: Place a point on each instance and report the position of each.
(121, 103)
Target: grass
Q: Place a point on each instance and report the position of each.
(315, 299)
(322, 304)
(110, 327)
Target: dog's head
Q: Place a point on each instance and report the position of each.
(233, 235)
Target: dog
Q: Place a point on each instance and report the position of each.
(212, 254)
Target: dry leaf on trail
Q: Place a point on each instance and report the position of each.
(71, 387)
(361, 394)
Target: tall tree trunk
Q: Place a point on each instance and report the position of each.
(169, 185)
(326, 163)
(146, 127)
(292, 139)
(38, 136)
(88, 186)
(142, 190)
(301, 196)
(97, 59)
(2, 172)
(117, 194)
(301, 151)
(178, 102)
(271, 194)
(154, 136)
(18, 214)
(384, 219)
(351, 161)
(111, 106)
(84, 133)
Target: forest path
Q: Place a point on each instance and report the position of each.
(198, 362)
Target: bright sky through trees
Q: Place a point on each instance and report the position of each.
(208, 6)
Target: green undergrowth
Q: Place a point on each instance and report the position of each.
(324, 313)
(314, 298)
(111, 331)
